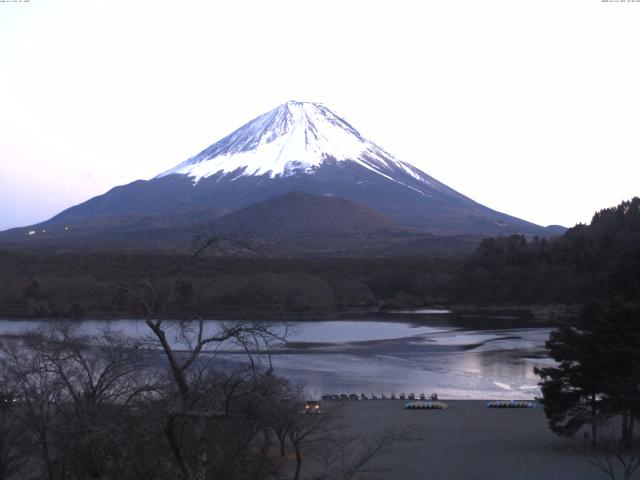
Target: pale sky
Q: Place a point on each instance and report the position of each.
(530, 107)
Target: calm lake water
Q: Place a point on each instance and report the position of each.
(457, 356)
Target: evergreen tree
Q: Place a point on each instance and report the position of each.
(598, 370)
(572, 391)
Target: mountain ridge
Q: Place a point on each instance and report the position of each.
(298, 146)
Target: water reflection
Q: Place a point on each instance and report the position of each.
(455, 356)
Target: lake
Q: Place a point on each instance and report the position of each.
(457, 356)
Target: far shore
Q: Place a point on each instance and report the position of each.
(542, 314)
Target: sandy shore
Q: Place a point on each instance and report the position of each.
(468, 441)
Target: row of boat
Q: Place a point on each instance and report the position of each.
(392, 396)
(431, 405)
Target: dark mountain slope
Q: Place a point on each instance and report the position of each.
(297, 147)
(301, 214)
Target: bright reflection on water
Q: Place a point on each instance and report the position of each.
(456, 361)
(456, 356)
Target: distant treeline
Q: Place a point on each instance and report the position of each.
(588, 261)
(86, 285)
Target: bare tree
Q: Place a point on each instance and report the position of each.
(102, 377)
(332, 452)
(308, 429)
(27, 373)
(189, 349)
(73, 394)
(12, 457)
(165, 406)
(617, 459)
(348, 456)
(283, 419)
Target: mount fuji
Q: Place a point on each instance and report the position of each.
(294, 138)
(296, 147)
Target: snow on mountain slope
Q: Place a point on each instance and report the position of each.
(296, 137)
(296, 147)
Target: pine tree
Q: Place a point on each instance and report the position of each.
(598, 370)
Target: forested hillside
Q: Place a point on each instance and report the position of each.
(589, 261)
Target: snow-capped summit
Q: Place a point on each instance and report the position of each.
(297, 147)
(295, 137)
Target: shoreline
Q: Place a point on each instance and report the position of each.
(544, 314)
